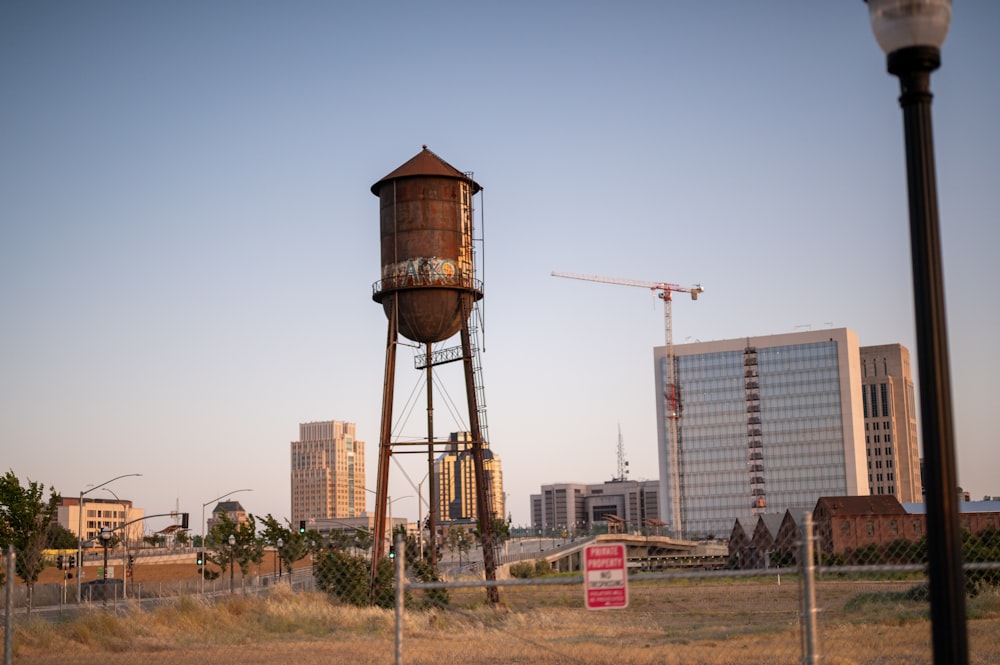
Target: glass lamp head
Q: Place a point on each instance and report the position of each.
(899, 24)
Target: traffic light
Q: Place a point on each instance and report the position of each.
(302, 526)
(184, 520)
(131, 560)
(201, 558)
(72, 561)
(59, 562)
(392, 551)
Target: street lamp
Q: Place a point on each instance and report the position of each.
(232, 551)
(124, 537)
(911, 32)
(105, 539)
(388, 502)
(79, 529)
(281, 543)
(218, 498)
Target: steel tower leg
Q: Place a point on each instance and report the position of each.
(483, 509)
(432, 497)
(384, 449)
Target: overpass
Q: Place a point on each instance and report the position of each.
(643, 553)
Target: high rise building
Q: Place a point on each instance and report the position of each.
(765, 424)
(456, 481)
(328, 472)
(890, 413)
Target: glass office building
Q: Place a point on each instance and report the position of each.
(764, 424)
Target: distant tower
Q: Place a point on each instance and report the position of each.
(429, 292)
(328, 470)
(889, 403)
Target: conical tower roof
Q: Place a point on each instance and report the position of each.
(426, 163)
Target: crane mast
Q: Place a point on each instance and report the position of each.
(672, 396)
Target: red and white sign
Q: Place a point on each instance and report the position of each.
(605, 577)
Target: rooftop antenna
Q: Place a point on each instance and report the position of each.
(622, 475)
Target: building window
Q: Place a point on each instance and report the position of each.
(845, 528)
(870, 528)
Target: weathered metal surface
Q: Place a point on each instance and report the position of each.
(426, 247)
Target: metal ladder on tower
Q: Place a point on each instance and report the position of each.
(474, 317)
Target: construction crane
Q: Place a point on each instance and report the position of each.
(672, 396)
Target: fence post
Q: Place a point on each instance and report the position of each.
(807, 564)
(8, 603)
(400, 567)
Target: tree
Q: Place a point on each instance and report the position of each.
(26, 517)
(273, 531)
(249, 547)
(295, 545)
(339, 540)
(219, 536)
(154, 540)
(362, 540)
(459, 539)
(61, 538)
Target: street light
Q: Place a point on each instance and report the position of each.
(79, 529)
(105, 539)
(232, 551)
(281, 543)
(124, 542)
(911, 32)
(388, 502)
(218, 498)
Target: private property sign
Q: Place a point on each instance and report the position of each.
(605, 579)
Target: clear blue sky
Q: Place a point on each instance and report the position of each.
(188, 240)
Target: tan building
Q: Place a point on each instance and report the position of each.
(456, 481)
(628, 505)
(328, 472)
(99, 513)
(232, 509)
(889, 406)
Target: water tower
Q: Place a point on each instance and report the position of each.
(429, 292)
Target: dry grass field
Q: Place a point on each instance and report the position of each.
(713, 624)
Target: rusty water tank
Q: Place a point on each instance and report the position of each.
(425, 212)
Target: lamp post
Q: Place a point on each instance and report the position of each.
(218, 498)
(79, 529)
(911, 33)
(232, 552)
(281, 543)
(105, 539)
(388, 502)
(124, 537)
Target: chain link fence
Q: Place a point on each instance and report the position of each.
(861, 605)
